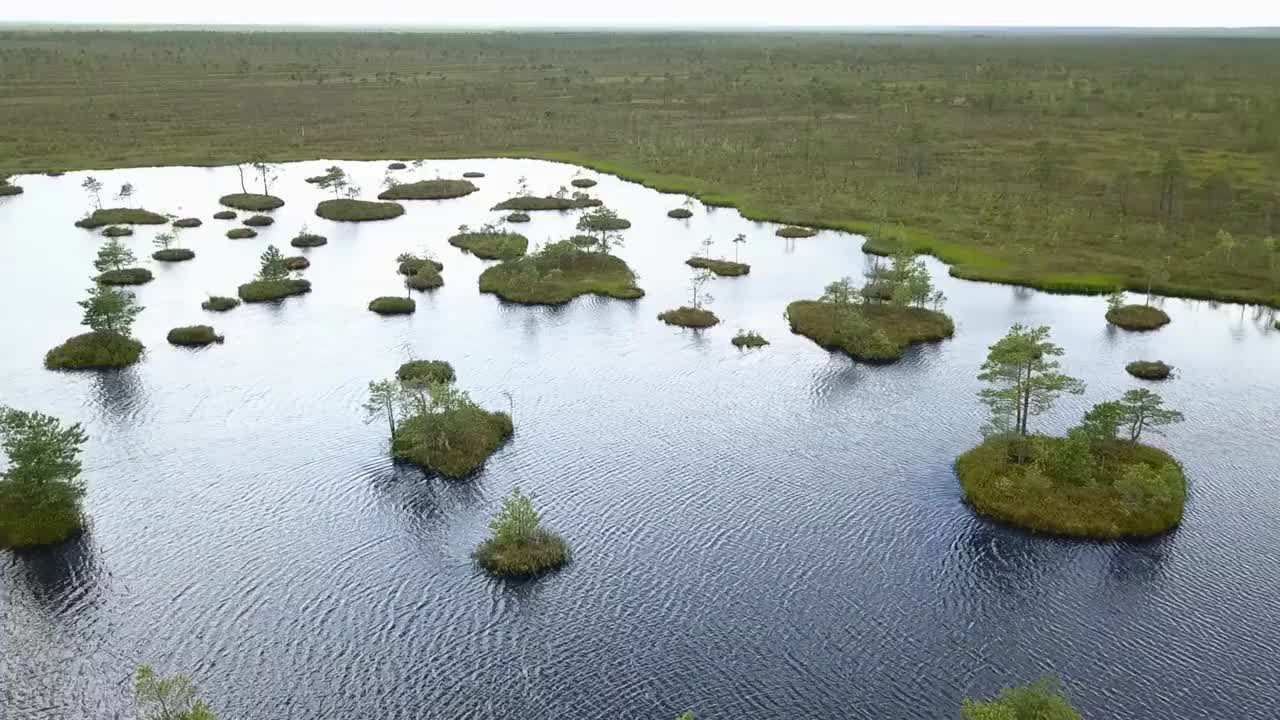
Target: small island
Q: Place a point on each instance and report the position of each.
(173, 255)
(438, 189)
(393, 305)
(114, 261)
(582, 182)
(296, 262)
(40, 488)
(242, 233)
(517, 217)
(428, 371)
(1149, 369)
(109, 314)
(421, 272)
(273, 281)
(746, 339)
(194, 336)
(793, 231)
(558, 273)
(347, 210)
(225, 215)
(531, 203)
(724, 268)
(1139, 318)
(396, 166)
(252, 202)
(680, 213)
(117, 231)
(489, 243)
(689, 317)
(519, 546)
(219, 303)
(120, 216)
(259, 220)
(308, 240)
(8, 190)
(602, 219)
(125, 276)
(472, 174)
(189, 222)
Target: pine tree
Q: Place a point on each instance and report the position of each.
(110, 310)
(517, 522)
(113, 255)
(272, 265)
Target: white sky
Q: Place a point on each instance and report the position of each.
(668, 13)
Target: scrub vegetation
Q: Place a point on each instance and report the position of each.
(273, 281)
(194, 336)
(40, 486)
(120, 216)
(490, 243)
(349, 210)
(428, 190)
(520, 547)
(109, 314)
(252, 202)
(558, 273)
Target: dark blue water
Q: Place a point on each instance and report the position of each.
(775, 533)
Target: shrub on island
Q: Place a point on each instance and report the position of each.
(680, 213)
(1149, 369)
(411, 264)
(393, 305)
(252, 202)
(308, 240)
(792, 231)
(472, 174)
(583, 241)
(268, 290)
(583, 183)
(438, 189)
(748, 339)
(126, 276)
(358, 210)
(519, 546)
(259, 220)
(558, 273)
(602, 221)
(225, 215)
(871, 332)
(40, 489)
(120, 216)
(242, 233)
(428, 371)
(117, 231)
(517, 217)
(173, 255)
(719, 267)
(689, 317)
(219, 303)
(453, 441)
(97, 350)
(296, 262)
(1137, 317)
(490, 244)
(530, 203)
(194, 336)
(188, 222)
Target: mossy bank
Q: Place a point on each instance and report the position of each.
(559, 273)
(358, 210)
(97, 350)
(870, 332)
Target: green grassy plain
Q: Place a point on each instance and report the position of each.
(1047, 161)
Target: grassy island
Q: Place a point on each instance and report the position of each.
(97, 350)
(268, 290)
(719, 267)
(689, 317)
(396, 166)
(792, 231)
(429, 190)
(219, 303)
(519, 546)
(253, 202)
(296, 262)
(1149, 369)
(393, 305)
(40, 489)
(7, 190)
(411, 264)
(583, 183)
(173, 255)
(194, 336)
(308, 240)
(242, 233)
(126, 276)
(189, 222)
(490, 244)
(602, 222)
(558, 273)
(120, 216)
(472, 174)
(117, 231)
(531, 203)
(358, 210)
(428, 371)
(517, 217)
(871, 332)
(748, 339)
(454, 441)
(680, 214)
(259, 220)
(1137, 317)
(225, 215)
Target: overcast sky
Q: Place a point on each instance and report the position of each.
(1137, 13)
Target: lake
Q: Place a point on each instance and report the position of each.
(756, 534)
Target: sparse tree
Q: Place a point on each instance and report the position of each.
(168, 698)
(1025, 379)
(125, 192)
(39, 449)
(93, 186)
(335, 179)
(107, 309)
(601, 223)
(1115, 300)
(113, 255)
(383, 401)
(1144, 410)
(741, 239)
(707, 244)
(1101, 423)
(840, 295)
(164, 240)
(271, 265)
(517, 522)
(266, 172)
(697, 287)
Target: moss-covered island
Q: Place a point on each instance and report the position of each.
(680, 213)
(428, 371)
(870, 332)
(517, 217)
(225, 215)
(747, 339)
(792, 231)
(126, 276)
(98, 350)
(219, 303)
(242, 233)
(308, 240)
(472, 174)
(273, 281)
(188, 222)
(438, 189)
(40, 488)
(117, 231)
(689, 317)
(194, 336)
(120, 216)
(396, 166)
(393, 305)
(583, 182)
(358, 210)
(259, 221)
(558, 273)
(727, 268)
(531, 203)
(296, 262)
(9, 190)
(519, 546)
(1149, 369)
(1137, 317)
(173, 255)
(252, 202)
(421, 273)
(490, 243)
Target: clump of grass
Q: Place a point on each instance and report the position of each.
(225, 215)
(126, 276)
(397, 166)
(94, 351)
(393, 305)
(411, 264)
(559, 273)
(583, 183)
(308, 240)
(680, 214)
(1149, 369)
(120, 216)
(530, 203)
(520, 547)
(242, 233)
(517, 217)
(268, 290)
(438, 189)
(219, 303)
(491, 244)
(428, 371)
(173, 255)
(194, 336)
(792, 231)
(685, 316)
(252, 202)
(454, 443)
(1137, 317)
(117, 231)
(358, 210)
(296, 262)
(600, 222)
(259, 220)
(719, 267)
(1131, 490)
(188, 222)
(472, 174)
(748, 339)
(871, 332)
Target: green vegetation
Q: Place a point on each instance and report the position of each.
(7, 190)
(308, 240)
(40, 490)
(796, 232)
(117, 231)
(189, 222)
(225, 215)
(680, 214)
(109, 314)
(173, 255)
(530, 203)
(220, 303)
(583, 182)
(393, 305)
(748, 339)
(296, 262)
(558, 273)
(242, 233)
(517, 217)
(167, 698)
(519, 546)
(428, 371)
(490, 243)
(429, 190)
(583, 241)
(194, 336)
(421, 273)
(126, 276)
(348, 210)
(252, 202)
(689, 317)
(1149, 369)
(719, 267)
(120, 216)
(273, 281)
(113, 260)
(602, 219)
(472, 174)
(259, 220)
(397, 166)
(331, 174)
(1134, 317)
(1041, 700)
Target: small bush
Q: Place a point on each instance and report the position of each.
(748, 339)
(94, 351)
(358, 210)
(719, 267)
(296, 262)
(529, 203)
(121, 216)
(253, 202)
(189, 222)
(792, 231)
(225, 215)
(688, 317)
(259, 220)
(1137, 317)
(308, 240)
(173, 255)
(429, 190)
(491, 245)
(1149, 369)
(268, 290)
(242, 233)
(543, 552)
(117, 231)
(194, 336)
(393, 305)
(430, 371)
(679, 214)
(517, 217)
(219, 303)
(472, 174)
(126, 276)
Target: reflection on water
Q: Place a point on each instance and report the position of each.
(756, 534)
